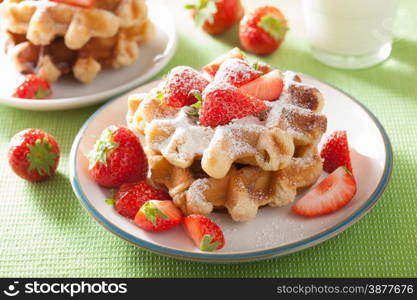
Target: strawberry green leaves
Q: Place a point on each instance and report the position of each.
(152, 212)
(101, 148)
(40, 156)
(207, 243)
(205, 10)
(274, 26)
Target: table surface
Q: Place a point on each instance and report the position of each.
(44, 231)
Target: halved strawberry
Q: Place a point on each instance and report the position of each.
(236, 72)
(334, 192)
(267, 87)
(80, 3)
(335, 152)
(223, 102)
(214, 66)
(206, 234)
(181, 83)
(130, 197)
(156, 215)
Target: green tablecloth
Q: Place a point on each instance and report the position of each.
(44, 231)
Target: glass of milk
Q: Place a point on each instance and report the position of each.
(350, 34)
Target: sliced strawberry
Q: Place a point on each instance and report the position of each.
(130, 197)
(236, 72)
(156, 215)
(80, 3)
(214, 66)
(206, 234)
(223, 102)
(335, 152)
(181, 83)
(334, 192)
(267, 87)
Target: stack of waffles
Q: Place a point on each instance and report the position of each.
(258, 160)
(51, 39)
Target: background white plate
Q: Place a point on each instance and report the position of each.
(275, 231)
(69, 93)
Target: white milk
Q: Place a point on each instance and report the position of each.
(350, 28)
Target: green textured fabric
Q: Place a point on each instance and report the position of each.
(44, 231)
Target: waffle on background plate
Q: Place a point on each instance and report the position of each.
(251, 162)
(52, 39)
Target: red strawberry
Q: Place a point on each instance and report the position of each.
(130, 197)
(117, 158)
(334, 192)
(263, 30)
(216, 16)
(80, 3)
(267, 87)
(335, 152)
(33, 154)
(224, 102)
(156, 215)
(206, 234)
(181, 83)
(214, 66)
(33, 87)
(236, 72)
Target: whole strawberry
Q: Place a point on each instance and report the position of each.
(33, 154)
(181, 84)
(130, 197)
(216, 16)
(223, 102)
(117, 158)
(33, 87)
(263, 30)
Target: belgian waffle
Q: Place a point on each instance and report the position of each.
(52, 39)
(251, 162)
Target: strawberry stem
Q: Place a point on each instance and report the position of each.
(102, 147)
(40, 157)
(274, 26)
(207, 245)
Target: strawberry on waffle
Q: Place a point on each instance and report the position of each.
(228, 144)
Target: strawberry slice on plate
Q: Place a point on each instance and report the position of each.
(335, 152)
(333, 193)
(206, 234)
(157, 215)
(267, 87)
(130, 197)
(214, 66)
(223, 102)
(80, 3)
(236, 72)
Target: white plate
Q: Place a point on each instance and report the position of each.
(69, 93)
(274, 231)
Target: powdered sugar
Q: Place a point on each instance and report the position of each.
(196, 199)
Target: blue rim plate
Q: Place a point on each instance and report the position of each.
(284, 248)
